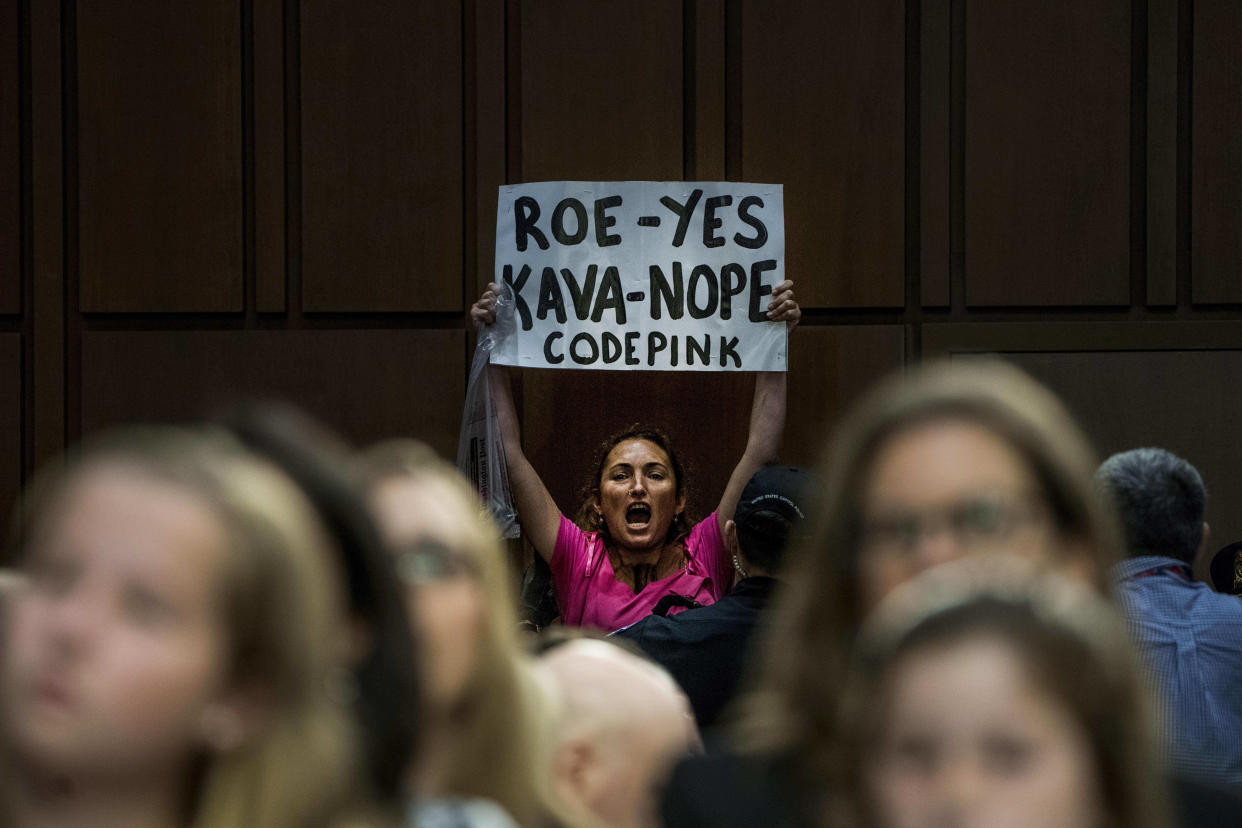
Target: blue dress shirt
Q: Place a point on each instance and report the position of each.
(1190, 639)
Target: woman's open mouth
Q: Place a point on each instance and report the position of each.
(637, 515)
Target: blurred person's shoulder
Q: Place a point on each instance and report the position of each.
(726, 789)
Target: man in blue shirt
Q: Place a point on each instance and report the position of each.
(1189, 636)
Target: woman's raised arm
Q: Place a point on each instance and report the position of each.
(767, 411)
(537, 512)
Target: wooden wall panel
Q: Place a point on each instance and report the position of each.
(1162, 168)
(10, 424)
(10, 159)
(567, 414)
(830, 368)
(160, 150)
(1216, 153)
(369, 384)
(601, 91)
(823, 112)
(1047, 153)
(1183, 401)
(382, 175)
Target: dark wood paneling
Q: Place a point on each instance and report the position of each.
(823, 112)
(566, 414)
(47, 420)
(1162, 152)
(708, 132)
(1183, 401)
(1047, 153)
(269, 156)
(159, 129)
(829, 369)
(601, 91)
(369, 384)
(1216, 154)
(10, 424)
(381, 155)
(935, 106)
(10, 159)
(488, 139)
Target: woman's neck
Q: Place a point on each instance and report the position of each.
(638, 567)
(44, 800)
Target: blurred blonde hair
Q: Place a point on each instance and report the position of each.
(281, 609)
(502, 751)
(1071, 644)
(820, 608)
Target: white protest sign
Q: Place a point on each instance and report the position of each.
(641, 275)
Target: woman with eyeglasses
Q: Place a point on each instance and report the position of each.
(483, 757)
(952, 460)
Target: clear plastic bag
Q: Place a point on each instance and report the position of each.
(480, 451)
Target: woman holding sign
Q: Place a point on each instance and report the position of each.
(631, 545)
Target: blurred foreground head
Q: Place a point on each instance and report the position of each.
(983, 693)
(382, 680)
(483, 714)
(951, 460)
(172, 649)
(624, 724)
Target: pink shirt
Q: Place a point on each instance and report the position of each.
(590, 595)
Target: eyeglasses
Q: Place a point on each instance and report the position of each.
(971, 522)
(431, 560)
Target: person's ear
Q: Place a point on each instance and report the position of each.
(571, 770)
(730, 537)
(681, 504)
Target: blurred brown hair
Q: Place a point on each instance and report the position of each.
(819, 610)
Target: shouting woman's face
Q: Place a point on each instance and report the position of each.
(638, 495)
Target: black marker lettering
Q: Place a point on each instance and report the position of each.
(583, 359)
(631, 343)
(603, 221)
(522, 307)
(656, 342)
(710, 222)
(705, 352)
(700, 273)
(683, 214)
(674, 297)
(609, 296)
(525, 214)
(728, 289)
(581, 296)
(550, 297)
(612, 347)
(549, 357)
(758, 290)
(761, 230)
(558, 221)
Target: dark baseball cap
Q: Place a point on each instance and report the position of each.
(785, 491)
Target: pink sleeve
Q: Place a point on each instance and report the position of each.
(568, 564)
(709, 551)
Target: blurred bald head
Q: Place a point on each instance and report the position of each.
(624, 724)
